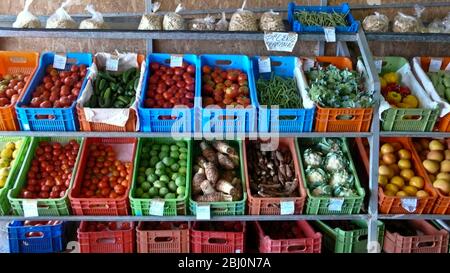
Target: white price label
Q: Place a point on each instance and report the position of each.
(308, 64)
(112, 64)
(330, 34)
(203, 212)
(280, 41)
(157, 207)
(378, 65)
(409, 204)
(30, 208)
(59, 61)
(264, 65)
(176, 60)
(435, 65)
(448, 67)
(336, 204)
(287, 207)
(237, 251)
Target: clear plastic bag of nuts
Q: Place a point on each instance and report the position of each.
(151, 21)
(408, 23)
(173, 20)
(222, 24)
(243, 20)
(96, 22)
(26, 19)
(202, 24)
(62, 19)
(376, 22)
(271, 21)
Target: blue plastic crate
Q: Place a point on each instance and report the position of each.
(353, 25)
(281, 120)
(151, 118)
(237, 120)
(50, 119)
(52, 239)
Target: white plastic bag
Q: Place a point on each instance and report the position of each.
(202, 24)
(62, 19)
(243, 20)
(96, 22)
(151, 21)
(25, 19)
(408, 23)
(271, 21)
(376, 23)
(173, 20)
(222, 25)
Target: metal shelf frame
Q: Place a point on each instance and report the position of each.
(373, 136)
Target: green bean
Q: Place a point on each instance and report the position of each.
(278, 91)
(312, 18)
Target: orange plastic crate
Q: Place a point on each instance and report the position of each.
(341, 119)
(203, 241)
(110, 241)
(163, 241)
(12, 62)
(393, 204)
(432, 240)
(101, 206)
(271, 206)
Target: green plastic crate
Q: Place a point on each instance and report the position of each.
(5, 207)
(172, 207)
(46, 207)
(353, 241)
(395, 119)
(224, 208)
(319, 205)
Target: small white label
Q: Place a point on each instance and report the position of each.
(112, 64)
(59, 61)
(308, 64)
(264, 65)
(448, 67)
(157, 207)
(330, 34)
(280, 41)
(409, 204)
(203, 212)
(176, 60)
(287, 207)
(378, 65)
(336, 204)
(30, 208)
(435, 65)
(238, 251)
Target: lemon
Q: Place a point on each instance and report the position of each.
(10, 145)
(382, 180)
(6, 153)
(407, 174)
(422, 194)
(389, 193)
(412, 101)
(401, 194)
(410, 190)
(417, 182)
(392, 187)
(398, 181)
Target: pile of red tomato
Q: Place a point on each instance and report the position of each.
(51, 170)
(59, 89)
(107, 226)
(170, 86)
(105, 176)
(224, 88)
(11, 86)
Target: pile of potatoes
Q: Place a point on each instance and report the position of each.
(435, 157)
(396, 174)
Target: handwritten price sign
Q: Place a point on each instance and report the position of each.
(280, 41)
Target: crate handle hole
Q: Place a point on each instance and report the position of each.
(99, 206)
(426, 244)
(276, 63)
(411, 117)
(34, 235)
(227, 117)
(217, 241)
(52, 117)
(18, 60)
(43, 206)
(106, 240)
(71, 61)
(223, 62)
(273, 205)
(362, 238)
(296, 248)
(168, 117)
(220, 210)
(345, 117)
(163, 239)
(287, 117)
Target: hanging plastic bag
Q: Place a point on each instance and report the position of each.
(173, 20)
(405, 23)
(202, 24)
(376, 23)
(151, 21)
(271, 21)
(243, 20)
(222, 25)
(62, 19)
(25, 19)
(96, 22)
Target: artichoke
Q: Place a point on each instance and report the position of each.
(335, 161)
(312, 158)
(341, 178)
(316, 177)
(322, 190)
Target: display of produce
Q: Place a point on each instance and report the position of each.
(396, 93)
(7, 157)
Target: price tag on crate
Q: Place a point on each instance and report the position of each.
(30, 208)
(435, 65)
(330, 34)
(59, 61)
(176, 60)
(157, 207)
(112, 63)
(264, 65)
(237, 251)
(280, 41)
(203, 212)
(308, 64)
(336, 204)
(448, 67)
(409, 204)
(287, 207)
(378, 65)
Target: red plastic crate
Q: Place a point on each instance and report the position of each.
(163, 240)
(308, 240)
(125, 149)
(217, 241)
(116, 241)
(432, 240)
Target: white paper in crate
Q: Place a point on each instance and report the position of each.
(112, 116)
(429, 87)
(408, 79)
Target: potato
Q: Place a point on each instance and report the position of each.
(436, 145)
(435, 156)
(447, 154)
(404, 154)
(404, 164)
(389, 158)
(431, 166)
(445, 166)
(387, 148)
(443, 176)
(386, 171)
